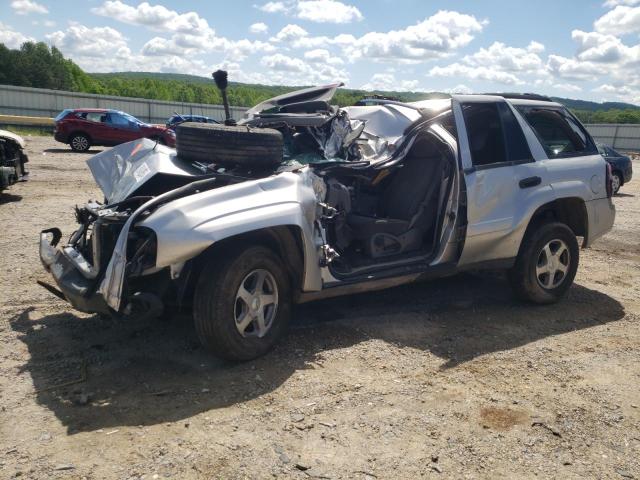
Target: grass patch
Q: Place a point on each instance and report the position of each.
(33, 131)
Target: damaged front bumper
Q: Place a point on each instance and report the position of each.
(74, 276)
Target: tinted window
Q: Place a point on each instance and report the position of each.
(560, 134)
(517, 146)
(62, 114)
(484, 130)
(122, 121)
(115, 119)
(96, 117)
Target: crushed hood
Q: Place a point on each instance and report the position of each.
(313, 94)
(141, 167)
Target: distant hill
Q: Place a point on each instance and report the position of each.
(344, 96)
(593, 106)
(403, 95)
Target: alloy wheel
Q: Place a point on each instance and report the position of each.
(553, 264)
(615, 182)
(256, 304)
(80, 143)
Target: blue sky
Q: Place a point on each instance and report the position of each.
(572, 48)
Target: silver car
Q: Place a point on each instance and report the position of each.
(303, 200)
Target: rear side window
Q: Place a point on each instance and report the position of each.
(62, 114)
(494, 134)
(559, 132)
(96, 117)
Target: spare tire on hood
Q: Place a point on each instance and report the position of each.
(229, 145)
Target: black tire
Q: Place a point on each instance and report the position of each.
(229, 145)
(617, 181)
(79, 142)
(524, 278)
(215, 303)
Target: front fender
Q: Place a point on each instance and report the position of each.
(186, 227)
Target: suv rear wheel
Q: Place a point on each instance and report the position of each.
(242, 303)
(547, 263)
(79, 142)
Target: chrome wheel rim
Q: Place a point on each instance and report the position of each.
(553, 264)
(80, 143)
(256, 304)
(615, 183)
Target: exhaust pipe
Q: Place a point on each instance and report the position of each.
(220, 77)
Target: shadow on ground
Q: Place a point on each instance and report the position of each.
(153, 372)
(68, 150)
(9, 198)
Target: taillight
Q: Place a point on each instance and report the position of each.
(609, 181)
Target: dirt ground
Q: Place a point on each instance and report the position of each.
(446, 379)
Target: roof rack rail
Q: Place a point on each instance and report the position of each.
(522, 96)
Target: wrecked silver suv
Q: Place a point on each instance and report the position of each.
(303, 200)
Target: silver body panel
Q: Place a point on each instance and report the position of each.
(499, 210)
(187, 226)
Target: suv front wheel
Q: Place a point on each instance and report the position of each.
(547, 263)
(242, 303)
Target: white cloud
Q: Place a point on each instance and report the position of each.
(475, 73)
(506, 58)
(290, 33)
(605, 48)
(319, 11)
(25, 7)
(623, 19)
(327, 11)
(388, 82)
(535, 47)
(99, 42)
(321, 55)
(185, 45)
(621, 92)
(11, 38)
(572, 69)
(287, 70)
(156, 17)
(567, 87)
(104, 49)
(259, 28)
(435, 37)
(497, 63)
(285, 63)
(273, 7)
(191, 34)
(341, 41)
(615, 3)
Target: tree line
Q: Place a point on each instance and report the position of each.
(41, 66)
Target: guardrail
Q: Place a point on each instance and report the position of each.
(620, 136)
(41, 102)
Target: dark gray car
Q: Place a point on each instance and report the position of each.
(621, 169)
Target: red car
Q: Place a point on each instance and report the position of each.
(83, 127)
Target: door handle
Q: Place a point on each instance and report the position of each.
(530, 182)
